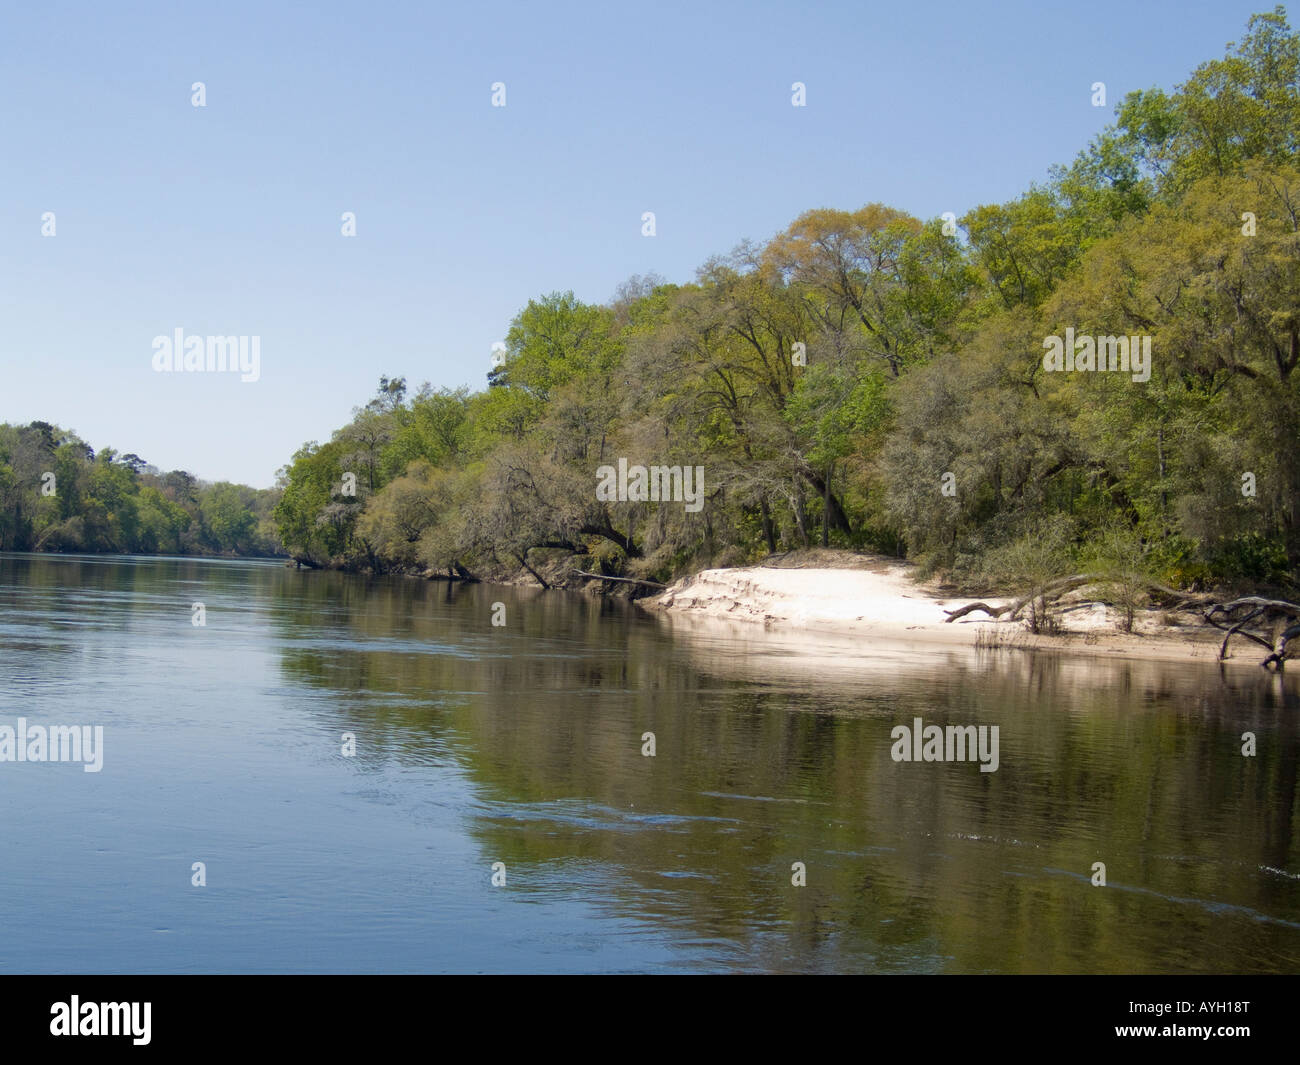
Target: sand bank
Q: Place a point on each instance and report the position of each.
(879, 598)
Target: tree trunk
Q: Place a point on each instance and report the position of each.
(612, 534)
(523, 561)
(826, 507)
(800, 517)
(839, 519)
(769, 533)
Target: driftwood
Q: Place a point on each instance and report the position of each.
(1049, 592)
(1233, 618)
(991, 611)
(1275, 659)
(1263, 612)
(625, 580)
(1053, 590)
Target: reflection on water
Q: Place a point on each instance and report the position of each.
(523, 744)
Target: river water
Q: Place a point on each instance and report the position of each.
(522, 744)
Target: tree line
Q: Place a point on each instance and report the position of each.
(58, 494)
(869, 379)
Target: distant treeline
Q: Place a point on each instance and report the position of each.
(57, 494)
(866, 378)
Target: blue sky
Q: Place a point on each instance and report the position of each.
(225, 219)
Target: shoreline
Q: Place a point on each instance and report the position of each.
(850, 596)
(878, 598)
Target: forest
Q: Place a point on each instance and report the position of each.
(58, 494)
(870, 380)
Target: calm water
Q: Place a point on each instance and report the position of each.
(522, 744)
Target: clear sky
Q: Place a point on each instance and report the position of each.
(225, 219)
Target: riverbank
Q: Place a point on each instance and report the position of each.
(879, 598)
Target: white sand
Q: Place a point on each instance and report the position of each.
(882, 595)
(877, 597)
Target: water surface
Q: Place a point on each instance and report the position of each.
(522, 744)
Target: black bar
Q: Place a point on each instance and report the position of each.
(909, 1015)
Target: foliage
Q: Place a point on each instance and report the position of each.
(57, 494)
(868, 378)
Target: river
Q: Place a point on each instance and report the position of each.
(497, 808)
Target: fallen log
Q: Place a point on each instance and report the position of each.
(1226, 617)
(1282, 606)
(1053, 590)
(1257, 607)
(523, 561)
(625, 580)
(1239, 627)
(1277, 656)
(992, 611)
(1049, 592)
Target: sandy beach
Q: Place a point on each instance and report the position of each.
(878, 597)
